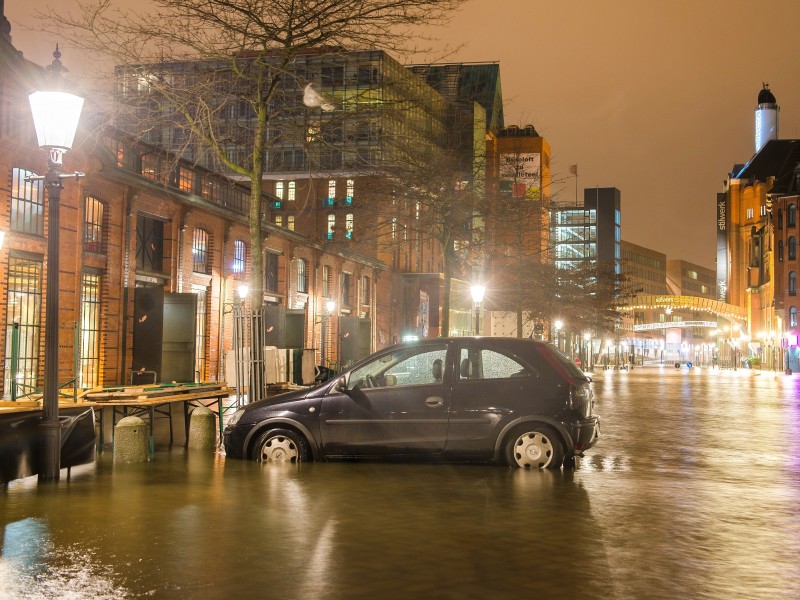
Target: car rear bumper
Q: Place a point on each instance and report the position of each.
(584, 433)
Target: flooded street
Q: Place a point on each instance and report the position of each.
(692, 492)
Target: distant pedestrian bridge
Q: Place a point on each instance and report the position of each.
(716, 308)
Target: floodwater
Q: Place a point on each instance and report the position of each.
(692, 492)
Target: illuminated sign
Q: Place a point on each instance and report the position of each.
(675, 324)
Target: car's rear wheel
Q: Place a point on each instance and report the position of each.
(280, 446)
(534, 446)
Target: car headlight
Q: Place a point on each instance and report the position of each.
(235, 417)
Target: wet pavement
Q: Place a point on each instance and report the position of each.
(692, 492)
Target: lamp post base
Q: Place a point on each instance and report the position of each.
(50, 450)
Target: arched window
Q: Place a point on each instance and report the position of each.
(200, 251)
(793, 317)
(792, 248)
(793, 283)
(93, 225)
(302, 280)
(791, 215)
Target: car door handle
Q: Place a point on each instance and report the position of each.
(434, 401)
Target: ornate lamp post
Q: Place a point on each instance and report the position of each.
(477, 291)
(55, 116)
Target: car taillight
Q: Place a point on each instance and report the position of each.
(580, 399)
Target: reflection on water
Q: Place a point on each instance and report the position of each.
(692, 492)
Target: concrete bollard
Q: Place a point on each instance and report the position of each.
(130, 441)
(202, 429)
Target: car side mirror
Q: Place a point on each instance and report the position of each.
(340, 385)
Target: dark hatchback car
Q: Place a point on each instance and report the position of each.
(508, 400)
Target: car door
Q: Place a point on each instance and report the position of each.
(491, 386)
(393, 404)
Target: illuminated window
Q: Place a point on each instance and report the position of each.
(201, 329)
(331, 189)
(200, 251)
(239, 259)
(90, 330)
(279, 189)
(27, 203)
(793, 317)
(150, 166)
(750, 213)
(331, 227)
(93, 225)
(394, 228)
(279, 220)
(348, 226)
(291, 191)
(23, 307)
(290, 222)
(350, 191)
(185, 180)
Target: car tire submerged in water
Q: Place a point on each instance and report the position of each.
(534, 446)
(280, 446)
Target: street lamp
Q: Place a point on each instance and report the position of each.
(478, 291)
(55, 116)
(587, 338)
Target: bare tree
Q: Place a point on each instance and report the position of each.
(186, 66)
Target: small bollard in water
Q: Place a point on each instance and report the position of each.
(130, 441)
(202, 429)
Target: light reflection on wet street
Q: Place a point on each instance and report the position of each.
(692, 492)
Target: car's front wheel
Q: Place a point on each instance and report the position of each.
(280, 446)
(534, 446)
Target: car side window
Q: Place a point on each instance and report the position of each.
(490, 364)
(405, 366)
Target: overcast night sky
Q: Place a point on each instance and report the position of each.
(654, 97)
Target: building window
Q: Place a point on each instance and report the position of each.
(279, 190)
(366, 290)
(302, 277)
(750, 213)
(331, 227)
(185, 180)
(291, 191)
(394, 228)
(346, 288)
(90, 330)
(150, 166)
(290, 222)
(793, 283)
(792, 248)
(93, 225)
(27, 203)
(791, 215)
(200, 344)
(279, 220)
(149, 244)
(271, 272)
(23, 306)
(763, 210)
(348, 226)
(200, 251)
(793, 317)
(239, 259)
(327, 281)
(331, 189)
(351, 184)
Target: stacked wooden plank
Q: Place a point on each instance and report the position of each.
(164, 392)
